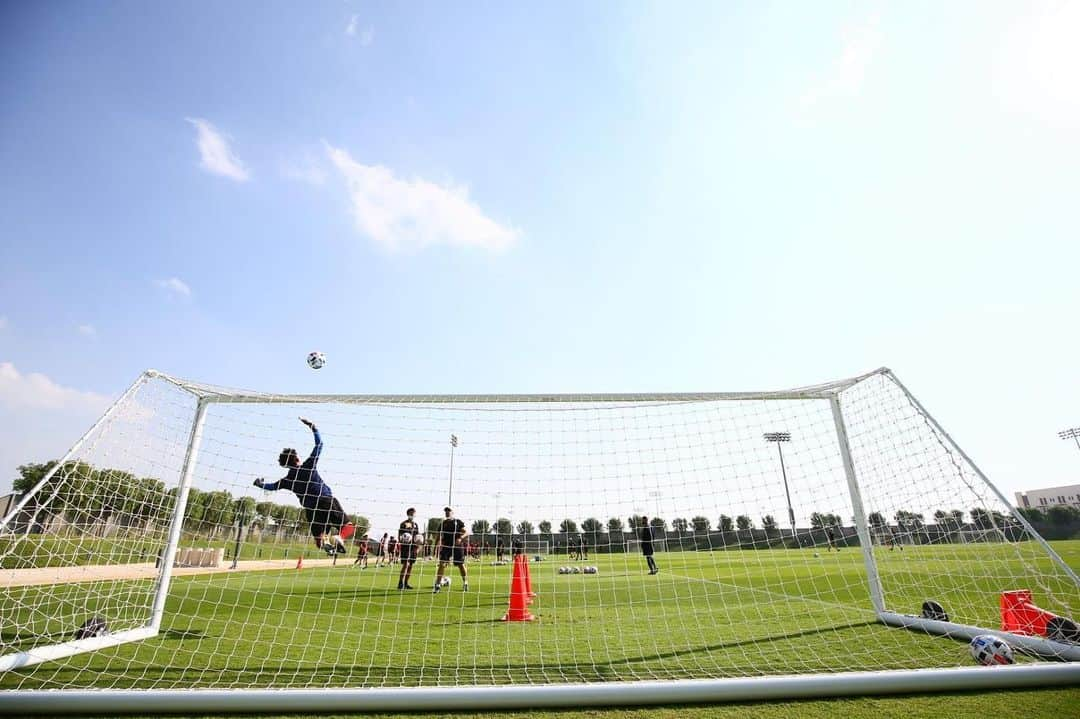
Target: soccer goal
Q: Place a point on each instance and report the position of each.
(99, 609)
(633, 546)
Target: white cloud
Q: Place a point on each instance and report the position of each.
(36, 391)
(175, 285)
(217, 156)
(847, 73)
(87, 331)
(416, 213)
(367, 34)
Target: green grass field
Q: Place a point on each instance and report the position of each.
(710, 614)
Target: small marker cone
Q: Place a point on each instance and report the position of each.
(519, 611)
(300, 562)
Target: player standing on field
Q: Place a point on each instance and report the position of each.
(645, 535)
(583, 551)
(321, 508)
(408, 532)
(831, 536)
(451, 547)
(361, 552)
(380, 553)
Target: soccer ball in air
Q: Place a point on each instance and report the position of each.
(316, 360)
(989, 650)
(444, 582)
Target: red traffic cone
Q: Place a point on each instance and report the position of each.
(300, 562)
(519, 600)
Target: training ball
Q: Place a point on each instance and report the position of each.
(444, 582)
(316, 360)
(405, 538)
(989, 650)
(575, 570)
(816, 554)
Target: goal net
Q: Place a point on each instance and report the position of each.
(795, 532)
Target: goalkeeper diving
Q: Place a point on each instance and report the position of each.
(323, 511)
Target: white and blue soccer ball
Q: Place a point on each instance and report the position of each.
(989, 650)
(316, 360)
(444, 582)
(564, 570)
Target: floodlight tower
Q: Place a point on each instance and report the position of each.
(779, 438)
(1072, 433)
(450, 490)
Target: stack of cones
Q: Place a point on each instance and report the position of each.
(520, 592)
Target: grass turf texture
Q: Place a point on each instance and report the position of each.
(706, 615)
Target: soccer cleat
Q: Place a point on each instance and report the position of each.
(465, 587)
(409, 586)
(436, 590)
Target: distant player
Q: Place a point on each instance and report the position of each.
(362, 552)
(380, 551)
(323, 511)
(408, 539)
(391, 550)
(451, 547)
(583, 551)
(830, 535)
(517, 545)
(645, 536)
(499, 550)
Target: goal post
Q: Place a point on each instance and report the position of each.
(100, 609)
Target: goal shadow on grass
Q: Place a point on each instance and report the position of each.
(367, 675)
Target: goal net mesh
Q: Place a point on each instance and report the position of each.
(738, 593)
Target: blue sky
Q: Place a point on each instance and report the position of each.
(620, 197)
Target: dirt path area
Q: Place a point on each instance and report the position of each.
(100, 573)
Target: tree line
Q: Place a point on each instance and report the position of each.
(87, 496)
(99, 499)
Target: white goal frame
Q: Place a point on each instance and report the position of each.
(518, 696)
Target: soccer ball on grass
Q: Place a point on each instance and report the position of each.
(444, 582)
(989, 650)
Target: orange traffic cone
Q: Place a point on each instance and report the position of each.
(529, 593)
(519, 611)
(300, 562)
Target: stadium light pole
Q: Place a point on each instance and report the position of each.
(1071, 433)
(779, 438)
(656, 494)
(450, 491)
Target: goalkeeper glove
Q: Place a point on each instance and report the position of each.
(259, 482)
